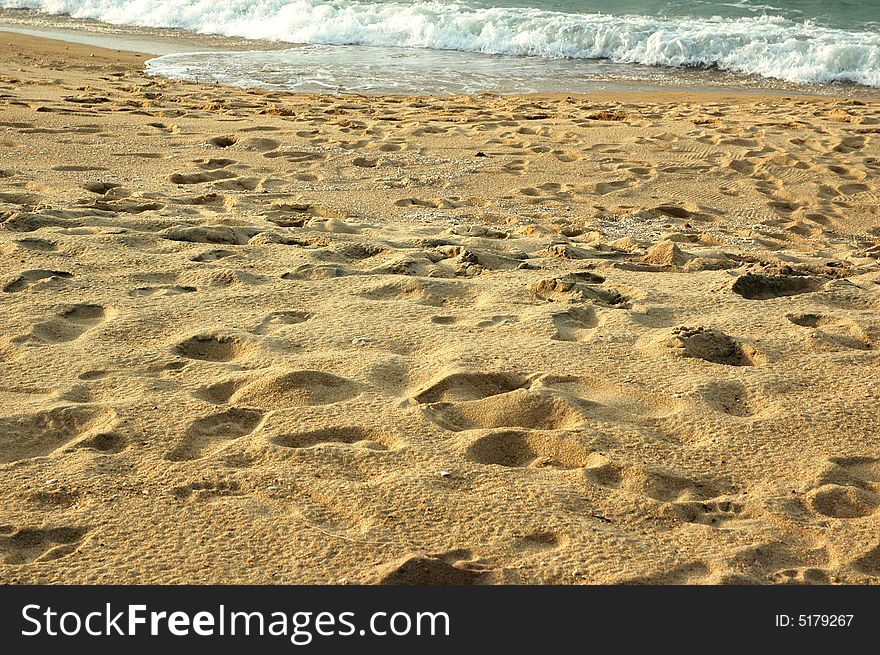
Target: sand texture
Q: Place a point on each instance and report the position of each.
(257, 338)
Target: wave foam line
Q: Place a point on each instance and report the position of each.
(766, 46)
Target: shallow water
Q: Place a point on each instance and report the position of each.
(571, 43)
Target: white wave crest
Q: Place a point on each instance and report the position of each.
(766, 46)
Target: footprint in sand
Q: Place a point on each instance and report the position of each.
(296, 389)
(453, 568)
(849, 488)
(520, 408)
(713, 513)
(78, 169)
(294, 156)
(470, 401)
(531, 449)
(212, 347)
(392, 146)
(284, 390)
(102, 188)
(465, 386)
(25, 545)
(869, 562)
(200, 178)
(222, 141)
(214, 163)
(210, 434)
(37, 435)
(214, 234)
(728, 397)
(744, 166)
(260, 144)
(55, 499)
(850, 144)
(30, 278)
(359, 251)
(575, 324)
(843, 294)
(604, 188)
(550, 193)
(66, 326)
(495, 321)
(167, 290)
(852, 189)
(365, 162)
(277, 320)
(604, 400)
(297, 214)
(126, 206)
(516, 166)
(424, 292)
(93, 374)
(660, 486)
(848, 173)
(754, 286)
(38, 245)
(498, 320)
(538, 541)
(466, 401)
(566, 251)
(353, 435)
(710, 345)
(572, 289)
(829, 332)
(686, 574)
(843, 502)
(212, 256)
(316, 272)
(22, 199)
(264, 184)
(567, 156)
(429, 203)
(221, 277)
(162, 127)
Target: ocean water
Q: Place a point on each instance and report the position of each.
(509, 45)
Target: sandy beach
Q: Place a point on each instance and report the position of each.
(250, 337)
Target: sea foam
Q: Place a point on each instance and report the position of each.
(768, 46)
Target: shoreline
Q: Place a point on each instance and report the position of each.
(80, 50)
(546, 339)
(790, 50)
(164, 41)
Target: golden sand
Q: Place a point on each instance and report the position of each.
(251, 337)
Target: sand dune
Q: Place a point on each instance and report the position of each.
(258, 338)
